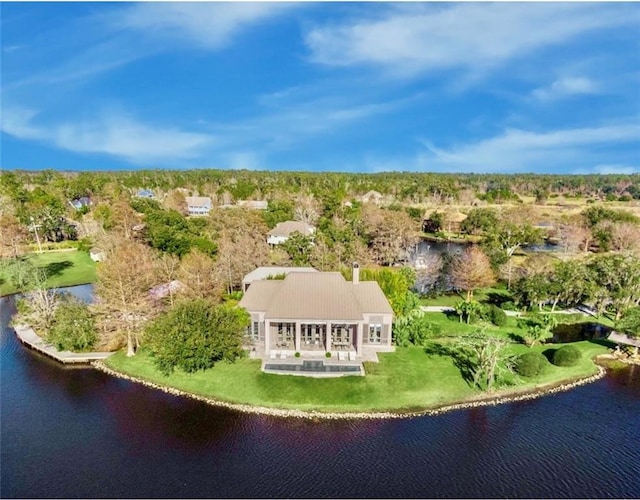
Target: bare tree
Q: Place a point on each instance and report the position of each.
(168, 267)
(199, 276)
(428, 273)
(471, 270)
(392, 234)
(242, 244)
(13, 236)
(626, 236)
(483, 355)
(124, 280)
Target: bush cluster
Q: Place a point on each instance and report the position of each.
(530, 364)
(496, 315)
(568, 355)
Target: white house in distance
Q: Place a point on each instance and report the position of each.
(318, 314)
(198, 205)
(283, 230)
(372, 197)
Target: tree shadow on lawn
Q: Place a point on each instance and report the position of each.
(56, 268)
(497, 298)
(461, 360)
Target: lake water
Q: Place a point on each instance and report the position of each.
(77, 432)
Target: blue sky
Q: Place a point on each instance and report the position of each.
(361, 87)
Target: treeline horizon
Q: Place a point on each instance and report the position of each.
(411, 186)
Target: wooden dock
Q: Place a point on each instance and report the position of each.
(28, 337)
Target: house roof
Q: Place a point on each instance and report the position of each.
(257, 204)
(315, 296)
(371, 194)
(291, 226)
(198, 201)
(262, 273)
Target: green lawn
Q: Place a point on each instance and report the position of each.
(63, 268)
(409, 379)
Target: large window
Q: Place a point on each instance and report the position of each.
(340, 335)
(286, 333)
(253, 330)
(375, 333)
(312, 334)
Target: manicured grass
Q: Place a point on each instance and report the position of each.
(409, 379)
(63, 268)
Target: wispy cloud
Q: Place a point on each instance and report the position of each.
(418, 38)
(522, 150)
(209, 25)
(116, 135)
(565, 87)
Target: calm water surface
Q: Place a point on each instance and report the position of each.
(74, 432)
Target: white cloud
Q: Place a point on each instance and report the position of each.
(565, 87)
(419, 38)
(615, 169)
(115, 135)
(521, 150)
(210, 25)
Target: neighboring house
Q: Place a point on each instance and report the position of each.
(263, 273)
(96, 254)
(145, 193)
(198, 205)
(318, 313)
(80, 203)
(372, 197)
(253, 204)
(283, 230)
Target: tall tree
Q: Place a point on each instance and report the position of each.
(199, 276)
(471, 270)
(122, 288)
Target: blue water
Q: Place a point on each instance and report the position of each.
(78, 433)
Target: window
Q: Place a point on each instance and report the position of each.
(254, 330)
(312, 334)
(375, 333)
(286, 332)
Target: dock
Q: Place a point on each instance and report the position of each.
(27, 336)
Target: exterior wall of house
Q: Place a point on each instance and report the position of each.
(276, 240)
(198, 210)
(377, 326)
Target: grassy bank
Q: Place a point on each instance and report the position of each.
(409, 379)
(65, 268)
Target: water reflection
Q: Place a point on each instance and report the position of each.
(80, 433)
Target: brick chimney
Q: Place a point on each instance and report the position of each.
(356, 273)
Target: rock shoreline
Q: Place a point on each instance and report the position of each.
(373, 415)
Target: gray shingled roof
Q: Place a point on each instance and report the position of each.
(315, 296)
(291, 226)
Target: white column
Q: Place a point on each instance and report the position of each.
(360, 333)
(298, 335)
(267, 337)
(328, 338)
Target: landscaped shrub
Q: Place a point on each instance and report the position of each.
(297, 354)
(328, 355)
(530, 364)
(496, 315)
(568, 355)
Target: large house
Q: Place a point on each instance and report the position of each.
(198, 205)
(284, 230)
(315, 313)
